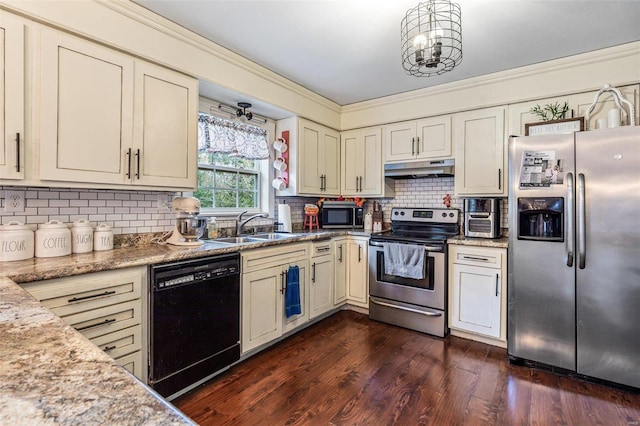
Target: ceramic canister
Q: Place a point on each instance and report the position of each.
(16, 242)
(81, 236)
(53, 239)
(103, 237)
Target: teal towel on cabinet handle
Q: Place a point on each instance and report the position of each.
(292, 293)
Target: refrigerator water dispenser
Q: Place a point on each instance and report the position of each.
(541, 219)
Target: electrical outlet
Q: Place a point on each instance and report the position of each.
(13, 201)
(163, 204)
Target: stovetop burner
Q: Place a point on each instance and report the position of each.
(421, 226)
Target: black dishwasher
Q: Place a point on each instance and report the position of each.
(194, 321)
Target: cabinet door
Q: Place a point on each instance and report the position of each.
(301, 318)
(309, 164)
(165, 127)
(357, 276)
(480, 162)
(340, 264)
(261, 307)
(352, 161)
(476, 296)
(321, 286)
(11, 97)
(399, 141)
(371, 182)
(434, 137)
(329, 158)
(87, 107)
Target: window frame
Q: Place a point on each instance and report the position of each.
(266, 196)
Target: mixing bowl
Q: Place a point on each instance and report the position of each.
(191, 227)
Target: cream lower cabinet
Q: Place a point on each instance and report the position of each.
(12, 61)
(108, 118)
(477, 293)
(351, 271)
(264, 281)
(480, 154)
(321, 281)
(108, 308)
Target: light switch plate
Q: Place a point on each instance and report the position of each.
(13, 201)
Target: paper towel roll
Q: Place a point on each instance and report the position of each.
(284, 217)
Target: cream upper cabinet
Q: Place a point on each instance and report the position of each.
(314, 158)
(428, 138)
(520, 115)
(362, 168)
(479, 140)
(109, 119)
(11, 97)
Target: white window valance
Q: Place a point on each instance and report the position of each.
(230, 137)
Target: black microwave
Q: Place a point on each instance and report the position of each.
(341, 215)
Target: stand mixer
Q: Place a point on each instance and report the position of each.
(189, 226)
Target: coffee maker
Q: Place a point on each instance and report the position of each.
(189, 225)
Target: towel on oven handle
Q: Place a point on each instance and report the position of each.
(404, 260)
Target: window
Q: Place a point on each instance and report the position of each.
(233, 166)
(228, 182)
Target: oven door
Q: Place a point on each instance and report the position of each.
(429, 292)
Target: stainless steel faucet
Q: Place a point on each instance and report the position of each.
(241, 223)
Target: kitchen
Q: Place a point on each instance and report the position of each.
(620, 71)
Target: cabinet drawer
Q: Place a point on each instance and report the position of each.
(255, 260)
(132, 363)
(121, 342)
(105, 320)
(487, 257)
(66, 296)
(321, 248)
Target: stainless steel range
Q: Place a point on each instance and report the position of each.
(408, 269)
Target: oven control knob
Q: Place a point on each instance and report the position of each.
(395, 213)
(444, 215)
(401, 213)
(450, 214)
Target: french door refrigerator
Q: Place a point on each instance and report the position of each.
(574, 252)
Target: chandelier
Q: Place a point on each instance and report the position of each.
(431, 38)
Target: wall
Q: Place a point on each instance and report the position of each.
(128, 212)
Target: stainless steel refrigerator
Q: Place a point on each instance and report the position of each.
(574, 252)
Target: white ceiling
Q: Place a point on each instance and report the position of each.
(349, 50)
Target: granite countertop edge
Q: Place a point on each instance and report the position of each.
(502, 242)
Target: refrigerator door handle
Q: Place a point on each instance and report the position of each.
(570, 225)
(580, 216)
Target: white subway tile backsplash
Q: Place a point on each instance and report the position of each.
(138, 215)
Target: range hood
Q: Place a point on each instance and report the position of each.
(440, 168)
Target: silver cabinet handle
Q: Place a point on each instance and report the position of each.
(570, 225)
(500, 179)
(361, 183)
(323, 249)
(359, 253)
(283, 284)
(413, 146)
(86, 327)
(402, 308)
(418, 145)
(313, 272)
(357, 179)
(138, 164)
(497, 281)
(18, 152)
(582, 228)
(340, 255)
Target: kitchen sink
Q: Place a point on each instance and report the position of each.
(271, 236)
(233, 240)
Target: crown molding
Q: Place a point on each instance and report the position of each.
(583, 59)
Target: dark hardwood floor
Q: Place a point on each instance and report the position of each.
(347, 369)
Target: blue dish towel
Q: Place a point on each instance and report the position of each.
(292, 293)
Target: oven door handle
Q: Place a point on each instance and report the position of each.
(426, 247)
(402, 308)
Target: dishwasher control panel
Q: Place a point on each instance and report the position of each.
(194, 272)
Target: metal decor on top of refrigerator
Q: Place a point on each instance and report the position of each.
(574, 252)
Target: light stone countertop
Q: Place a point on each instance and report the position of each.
(502, 242)
(51, 374)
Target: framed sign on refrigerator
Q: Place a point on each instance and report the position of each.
(567, 125)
